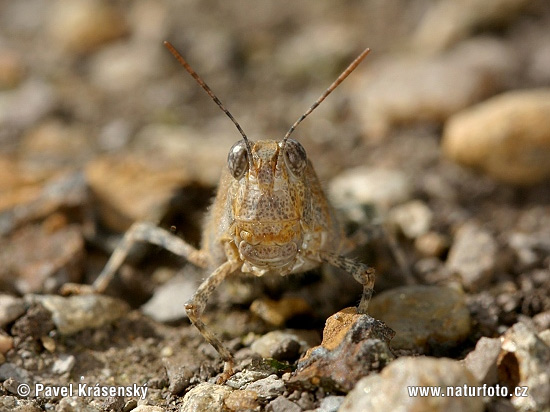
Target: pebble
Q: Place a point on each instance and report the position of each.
(6, 343)
(473, 256)
(448, 21)
(423, 317)
(63, 364)
(242, 401)
(241, 379)
(167, 302)
(82, 26)
(78, 404)
(75, 313)
(205, 397)
(431, 244)
(506, 137)
(360, 186)
(180, 369)
(148, 408)
(282, 404)
(525, 361)
(482, 361)
(11, 308)
(278, 312)
(388, 390)
(353, 346)
(284, 344)
(37, 259)
(12, 403)
(12, 69)
(408, 89)
(330, 403)
(413, 218)
(267, 388)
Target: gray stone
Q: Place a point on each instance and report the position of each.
(330, 404)
(389, 390)
(367, 186)
(267, 388)
(75, 313)
(241, 379)
(482, 361)
(168, 302)
(423, 317)
(413, 218)
(473, 256)
(63, 364)
(10, 309)
(282, 404)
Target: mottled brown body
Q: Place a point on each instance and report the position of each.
(270, 215)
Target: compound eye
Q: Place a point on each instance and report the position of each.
(295, 157)
(237, 159)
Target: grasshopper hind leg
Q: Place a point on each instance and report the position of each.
(139, 232)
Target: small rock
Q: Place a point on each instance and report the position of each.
(284, 344)
(542, 320)
(14, 404)
(353, 346)
(330, 404)
(277, 312)
(241, 379)
(9, 370)
(525, 361)
(507, 137)
(282, 404)
(37, 259)
(449, 21)
(413, 218)
(389, 390)
(369, 186)
(6, 343)
(431, 244)
(167, 303)
(482, 361)
(148, 408)
(401, 90)
(36, 322)
(473, 256)
(205, 397)
(10, 309)
(78, 404)
(83, 25)
(11, 68)
(75, 313)
(241, 401)
(267, 388)
(423, 317)
(63, 364)
(180, 369)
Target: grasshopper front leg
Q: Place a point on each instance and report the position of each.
(195, 307)
(138, 232)
(361, 273)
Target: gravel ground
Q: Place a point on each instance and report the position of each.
(439, 142)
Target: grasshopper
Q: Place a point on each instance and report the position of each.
(270, 216)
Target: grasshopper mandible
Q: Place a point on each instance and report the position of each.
(270, 215)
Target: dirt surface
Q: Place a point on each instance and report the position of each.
(100, 127)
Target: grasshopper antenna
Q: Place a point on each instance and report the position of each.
(333, 86)
(207, 89)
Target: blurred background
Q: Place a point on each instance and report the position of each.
(100, 126)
